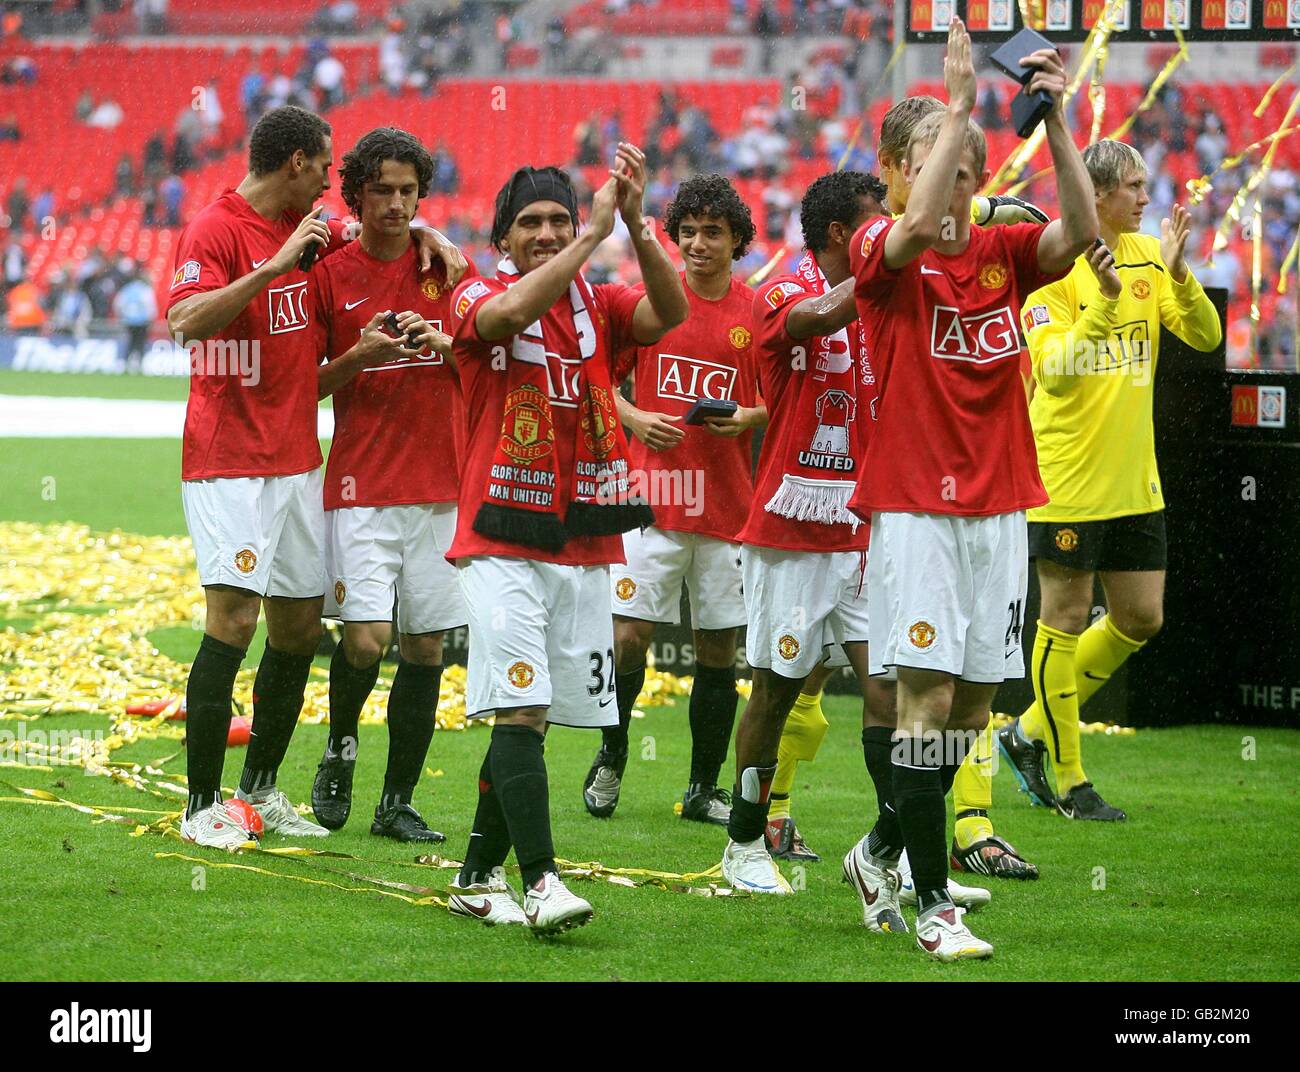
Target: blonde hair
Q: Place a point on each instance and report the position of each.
(1110, 162)
(899, 122)
(927, 130)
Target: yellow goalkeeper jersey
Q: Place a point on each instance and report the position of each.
(1094, 364)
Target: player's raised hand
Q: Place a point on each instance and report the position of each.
(1102, 262)
(959, 68)
(630, 171)
(1049, 77)
(603, 206)
(658, 431)
(376, 347)
(1173, 242)
(311, 231)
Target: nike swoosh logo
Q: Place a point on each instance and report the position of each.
(480, 910)
(1066, 695)
(258, 264)
(532, 917)
(1094, 677)
(982, 762)
(354, 304)
(930, 271)
(929, 945)
(605, 703)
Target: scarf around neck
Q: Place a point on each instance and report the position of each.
(520, 502)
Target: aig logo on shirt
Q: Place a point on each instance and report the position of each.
(288, 307)
(688, 378)
(980, 337)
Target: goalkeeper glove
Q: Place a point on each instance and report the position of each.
(992, 211)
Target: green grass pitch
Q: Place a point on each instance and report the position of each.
(1192, 887)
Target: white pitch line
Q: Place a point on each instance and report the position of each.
(45, 417)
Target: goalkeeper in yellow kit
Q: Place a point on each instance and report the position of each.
(1094, 338)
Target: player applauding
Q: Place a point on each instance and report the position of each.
(1094, 338)
(700, 482)
(950, 467)
(391, 484)
(544, 498)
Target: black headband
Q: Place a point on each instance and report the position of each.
(526, 186)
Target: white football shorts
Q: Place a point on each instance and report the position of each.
(265, 534)
(659, 561)
(800, 604)
(540, 635)
(948, 594)
(375, 552)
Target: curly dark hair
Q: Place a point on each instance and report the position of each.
(711, 196)
(364, 161)
(834, 198)
(280, 133)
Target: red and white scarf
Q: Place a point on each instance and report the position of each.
(818, 449)
(519, 502)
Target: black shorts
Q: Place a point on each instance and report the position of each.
(1121, 544)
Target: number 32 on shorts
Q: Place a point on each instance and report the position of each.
(602, 672)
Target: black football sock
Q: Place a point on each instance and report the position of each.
(918, 799)
(750, 804)
(956, 743)
(713, 714)
(519, 774)
(350, 686)
(627, 687)
(208, 694)
(277, 702)
(885, 841)
(412, 705)
(489, 842)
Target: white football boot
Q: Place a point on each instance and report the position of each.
(962, 896)
(750, 867)
(278, 815)
(877, 889)
(550, 908)
(945, 937)
(489, 902)
(215, 828)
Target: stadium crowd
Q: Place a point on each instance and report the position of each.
(417, 51)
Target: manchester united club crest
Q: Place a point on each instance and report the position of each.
(520, 674)
(993, 276)
(340, 592)
(431, 289)
(739, 337)
(788, 647)
(526, 431)
(921, 634)
(1067, 540)
(625, 588)
(1141, 289)
(245, 560)
(597, 415)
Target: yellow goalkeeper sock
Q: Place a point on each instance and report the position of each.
(1057, 694)
(805, 728)
(1101, 651)
(972, 791)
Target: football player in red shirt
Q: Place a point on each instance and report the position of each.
(802, 553)
(951, 466)
(544, 500)
(392, 478)
(699, 482)
(250, 459)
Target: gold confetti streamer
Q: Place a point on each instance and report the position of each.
(1267, 98)
(1233, 214)
(1287, 262)
(1179, 57)
(1198, 188)
(1256, 262)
